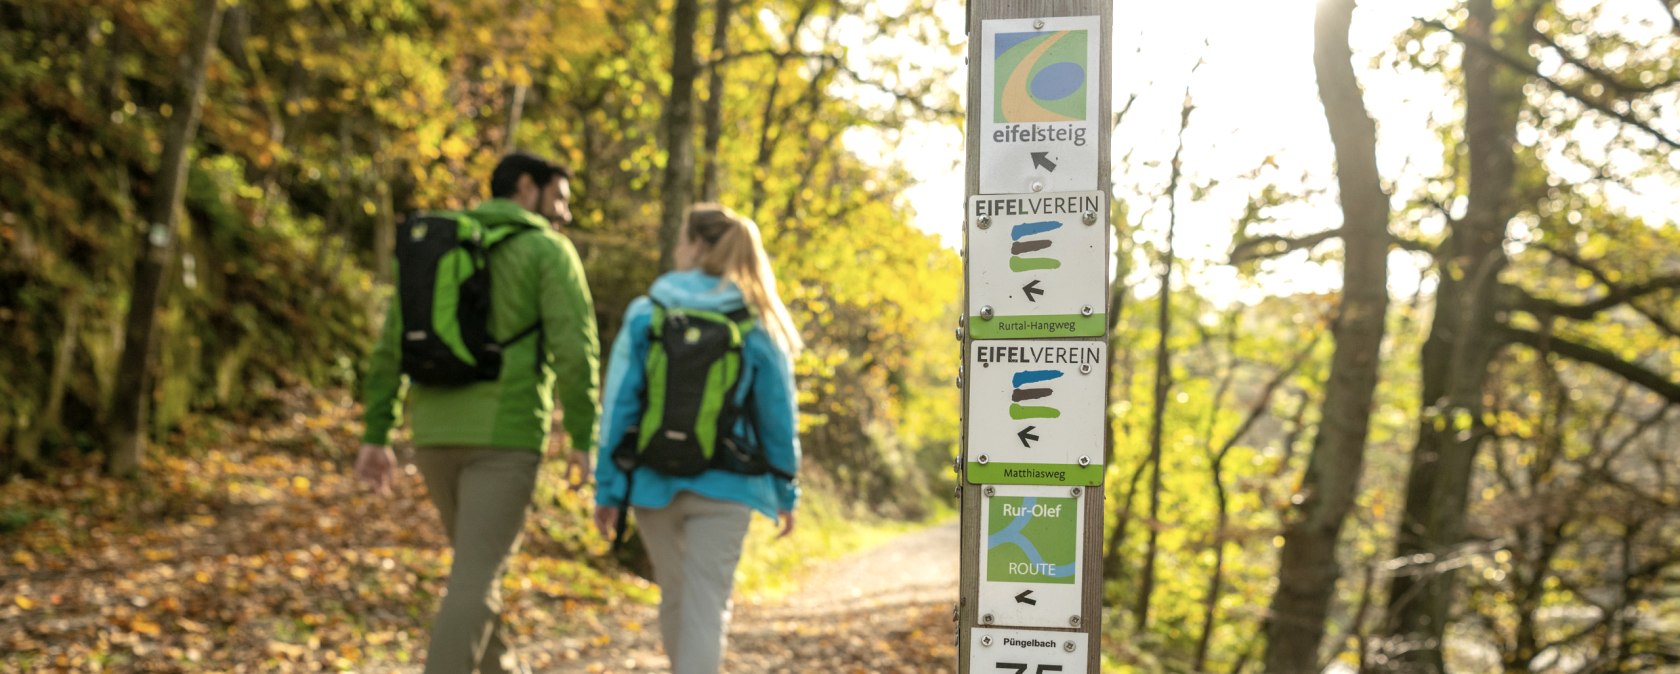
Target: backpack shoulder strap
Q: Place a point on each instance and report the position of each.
(656, 322)
(502, 233)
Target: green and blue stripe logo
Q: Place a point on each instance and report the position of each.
(1028, 388)
(1024, 243)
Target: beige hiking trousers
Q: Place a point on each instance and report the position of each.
(695, 544)
(483, 495)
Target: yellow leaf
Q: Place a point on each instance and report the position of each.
(24, 603)
(454, 148)
(146, 627)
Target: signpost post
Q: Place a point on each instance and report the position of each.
(1035, 352)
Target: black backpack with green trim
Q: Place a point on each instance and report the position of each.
(443, 290)
(690, 405)
(690, 402)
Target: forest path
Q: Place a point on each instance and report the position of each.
(882, 609)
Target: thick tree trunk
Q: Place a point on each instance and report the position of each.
(1462, 343)
(710, 184)
(132, 393)
(1307, 568)
(679, 129)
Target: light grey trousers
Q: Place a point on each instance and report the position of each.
(483, 495)
(695, 544)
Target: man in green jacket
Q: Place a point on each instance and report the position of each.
(478, 445)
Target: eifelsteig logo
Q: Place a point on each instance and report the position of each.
(1040, 77)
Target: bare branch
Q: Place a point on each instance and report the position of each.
(1618, 294)
(1526, 69)
(1627, 89)
(1271, 245)
(1649, 379)
(836, 62)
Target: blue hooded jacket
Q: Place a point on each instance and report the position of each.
(767, 384)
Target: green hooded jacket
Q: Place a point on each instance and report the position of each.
(533, 277)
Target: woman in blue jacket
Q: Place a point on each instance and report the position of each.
(693, 526)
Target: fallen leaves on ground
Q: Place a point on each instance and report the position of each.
(256, 550)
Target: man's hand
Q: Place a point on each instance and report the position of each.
(377, 466)
(606, 517)
(579, 462)
(786, 516)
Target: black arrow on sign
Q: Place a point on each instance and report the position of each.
(1025, 435)
(1026, 598)
(1042, 160)
(1032, 290)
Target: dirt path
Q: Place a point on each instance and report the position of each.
(885, 609)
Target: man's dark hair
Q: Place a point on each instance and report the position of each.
(504, 181)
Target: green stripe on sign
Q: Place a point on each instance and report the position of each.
(1027, 327)
(1053, 474)
(1033, 263)
(1029, 412)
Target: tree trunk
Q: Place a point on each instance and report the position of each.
(679, 129)
(516, 113)
(47, 422)
(1163, 376)
(1462, 342)
(1307, 568)
(710, 188)
(768, 138)
(132, 394)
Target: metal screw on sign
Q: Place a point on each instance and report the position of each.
(1076, 492)
(1086, 311)
(1038, 23)
(1085, 368)
(959, 381)
(1074, 621)
(983, 460)
(959, 333)
(985, 222)
(990, 491)
(1084, 461)
(987, 641)
(1090, 217)
(1069, 647)
(957, 494)
(986, 618)
(986, 313)
(1038, 186)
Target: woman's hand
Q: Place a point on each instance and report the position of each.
(606, 517)
(786, 516)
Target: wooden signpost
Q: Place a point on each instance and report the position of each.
(1035, 352)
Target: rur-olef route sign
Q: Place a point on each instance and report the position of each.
(1031, 568)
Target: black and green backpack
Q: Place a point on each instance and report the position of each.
(692, 401)
(443, 289)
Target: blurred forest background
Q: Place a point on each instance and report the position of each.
(1471, 471)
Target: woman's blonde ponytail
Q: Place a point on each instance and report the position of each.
(736, 253)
